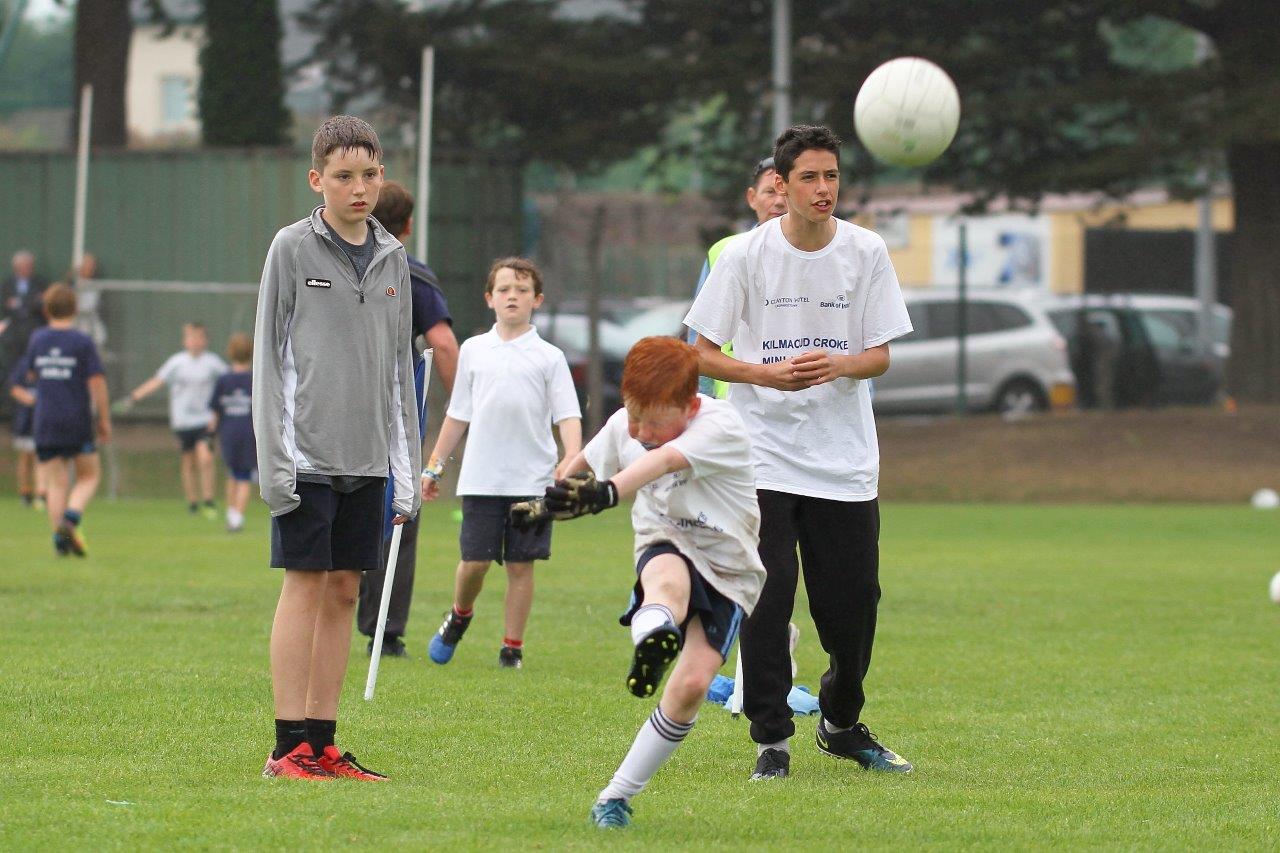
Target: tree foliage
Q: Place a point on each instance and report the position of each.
(241, 81)
(520, 76)
(1057, 95)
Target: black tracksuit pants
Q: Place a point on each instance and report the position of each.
(401, 588)
(840, 555)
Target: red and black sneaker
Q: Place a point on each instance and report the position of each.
(298, 764)
(344, 766)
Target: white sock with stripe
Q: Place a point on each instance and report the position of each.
(649, 617)
(654, 743)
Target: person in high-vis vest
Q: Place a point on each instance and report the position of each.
(767, 203)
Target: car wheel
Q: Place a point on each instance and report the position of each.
(1021, 396)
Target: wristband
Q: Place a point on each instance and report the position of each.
(434, 470)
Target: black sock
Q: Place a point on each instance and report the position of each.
(320, 733)
(289, 733)
(211, 503)
(193, 506)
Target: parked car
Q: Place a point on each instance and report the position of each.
(1015, 360)
(570, 332)
(1137, 349)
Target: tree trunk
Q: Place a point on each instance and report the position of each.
(1253, 374)
(103, 30)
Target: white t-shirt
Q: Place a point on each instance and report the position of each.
(709, 510)
(776, 302)
(190, 380)
(510, 392)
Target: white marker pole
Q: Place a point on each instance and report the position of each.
(735, 698)
(375, 655)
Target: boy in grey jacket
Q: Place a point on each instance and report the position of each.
(333, 402)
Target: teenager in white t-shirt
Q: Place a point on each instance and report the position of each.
(810, 303)
(511, 387)
(190, 375)
(687, 460)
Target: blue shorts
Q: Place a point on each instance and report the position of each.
(720, 617)
(64, 451)
(487, 534)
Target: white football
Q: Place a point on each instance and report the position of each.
(1265, 499)
(1275, 588)
(907, 111)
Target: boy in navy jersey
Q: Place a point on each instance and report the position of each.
(232, 422)
(69, 397)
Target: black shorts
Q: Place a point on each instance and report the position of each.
(488, 535)
(189, 438)
(721, 618)
(330, 530)
(64, 451)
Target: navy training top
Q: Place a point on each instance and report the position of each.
(60, 362)
(232, 393)
(429, 306)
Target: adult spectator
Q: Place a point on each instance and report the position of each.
(21, 307)
(431, 320)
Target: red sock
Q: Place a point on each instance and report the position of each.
(512, 644)
(460, 612)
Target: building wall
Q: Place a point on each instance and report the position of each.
(157, 68)
(914, 249)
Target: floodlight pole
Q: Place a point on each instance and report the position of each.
(82, 178)
(781, 66)
(426, 104)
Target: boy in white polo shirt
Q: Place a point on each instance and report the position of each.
(190, 375)
(511, 387)
(811, 303)
(687, 459)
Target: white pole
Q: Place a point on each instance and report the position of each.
(781, 66)
(82, 178)
(375, 654)
(1206, 267)
(422, 207)
(735, 698)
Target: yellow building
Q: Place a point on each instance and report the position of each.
(1009, 247)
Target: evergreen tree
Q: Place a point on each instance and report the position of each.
(241, 82)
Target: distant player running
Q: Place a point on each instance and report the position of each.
(687, 459)
(232, 422)
(66, 387)
(190, 375)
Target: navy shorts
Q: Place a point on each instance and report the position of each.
(189, 438)
(64, 451)
(721, 618)
(488, 535)
(240, 457)
(330, 530)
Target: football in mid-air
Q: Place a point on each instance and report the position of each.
(907, 112)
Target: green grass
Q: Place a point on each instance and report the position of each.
(1061, 677)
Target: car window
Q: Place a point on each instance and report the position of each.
(1006, 317)
(943, 319)
(1064, 322)
(1169, 330)
(981, 318)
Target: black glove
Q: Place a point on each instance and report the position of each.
(529, 516)
(579, 495)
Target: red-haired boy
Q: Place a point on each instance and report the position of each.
(687, 460)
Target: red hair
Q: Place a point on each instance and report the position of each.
(660, 371)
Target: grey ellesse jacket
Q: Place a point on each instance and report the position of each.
(333, 366)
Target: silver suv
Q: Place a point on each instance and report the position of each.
(1016, 361)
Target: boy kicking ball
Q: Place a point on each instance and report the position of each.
(687, 460)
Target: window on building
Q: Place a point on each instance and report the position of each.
(175, 99)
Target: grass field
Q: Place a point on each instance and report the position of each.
(1061, 677)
